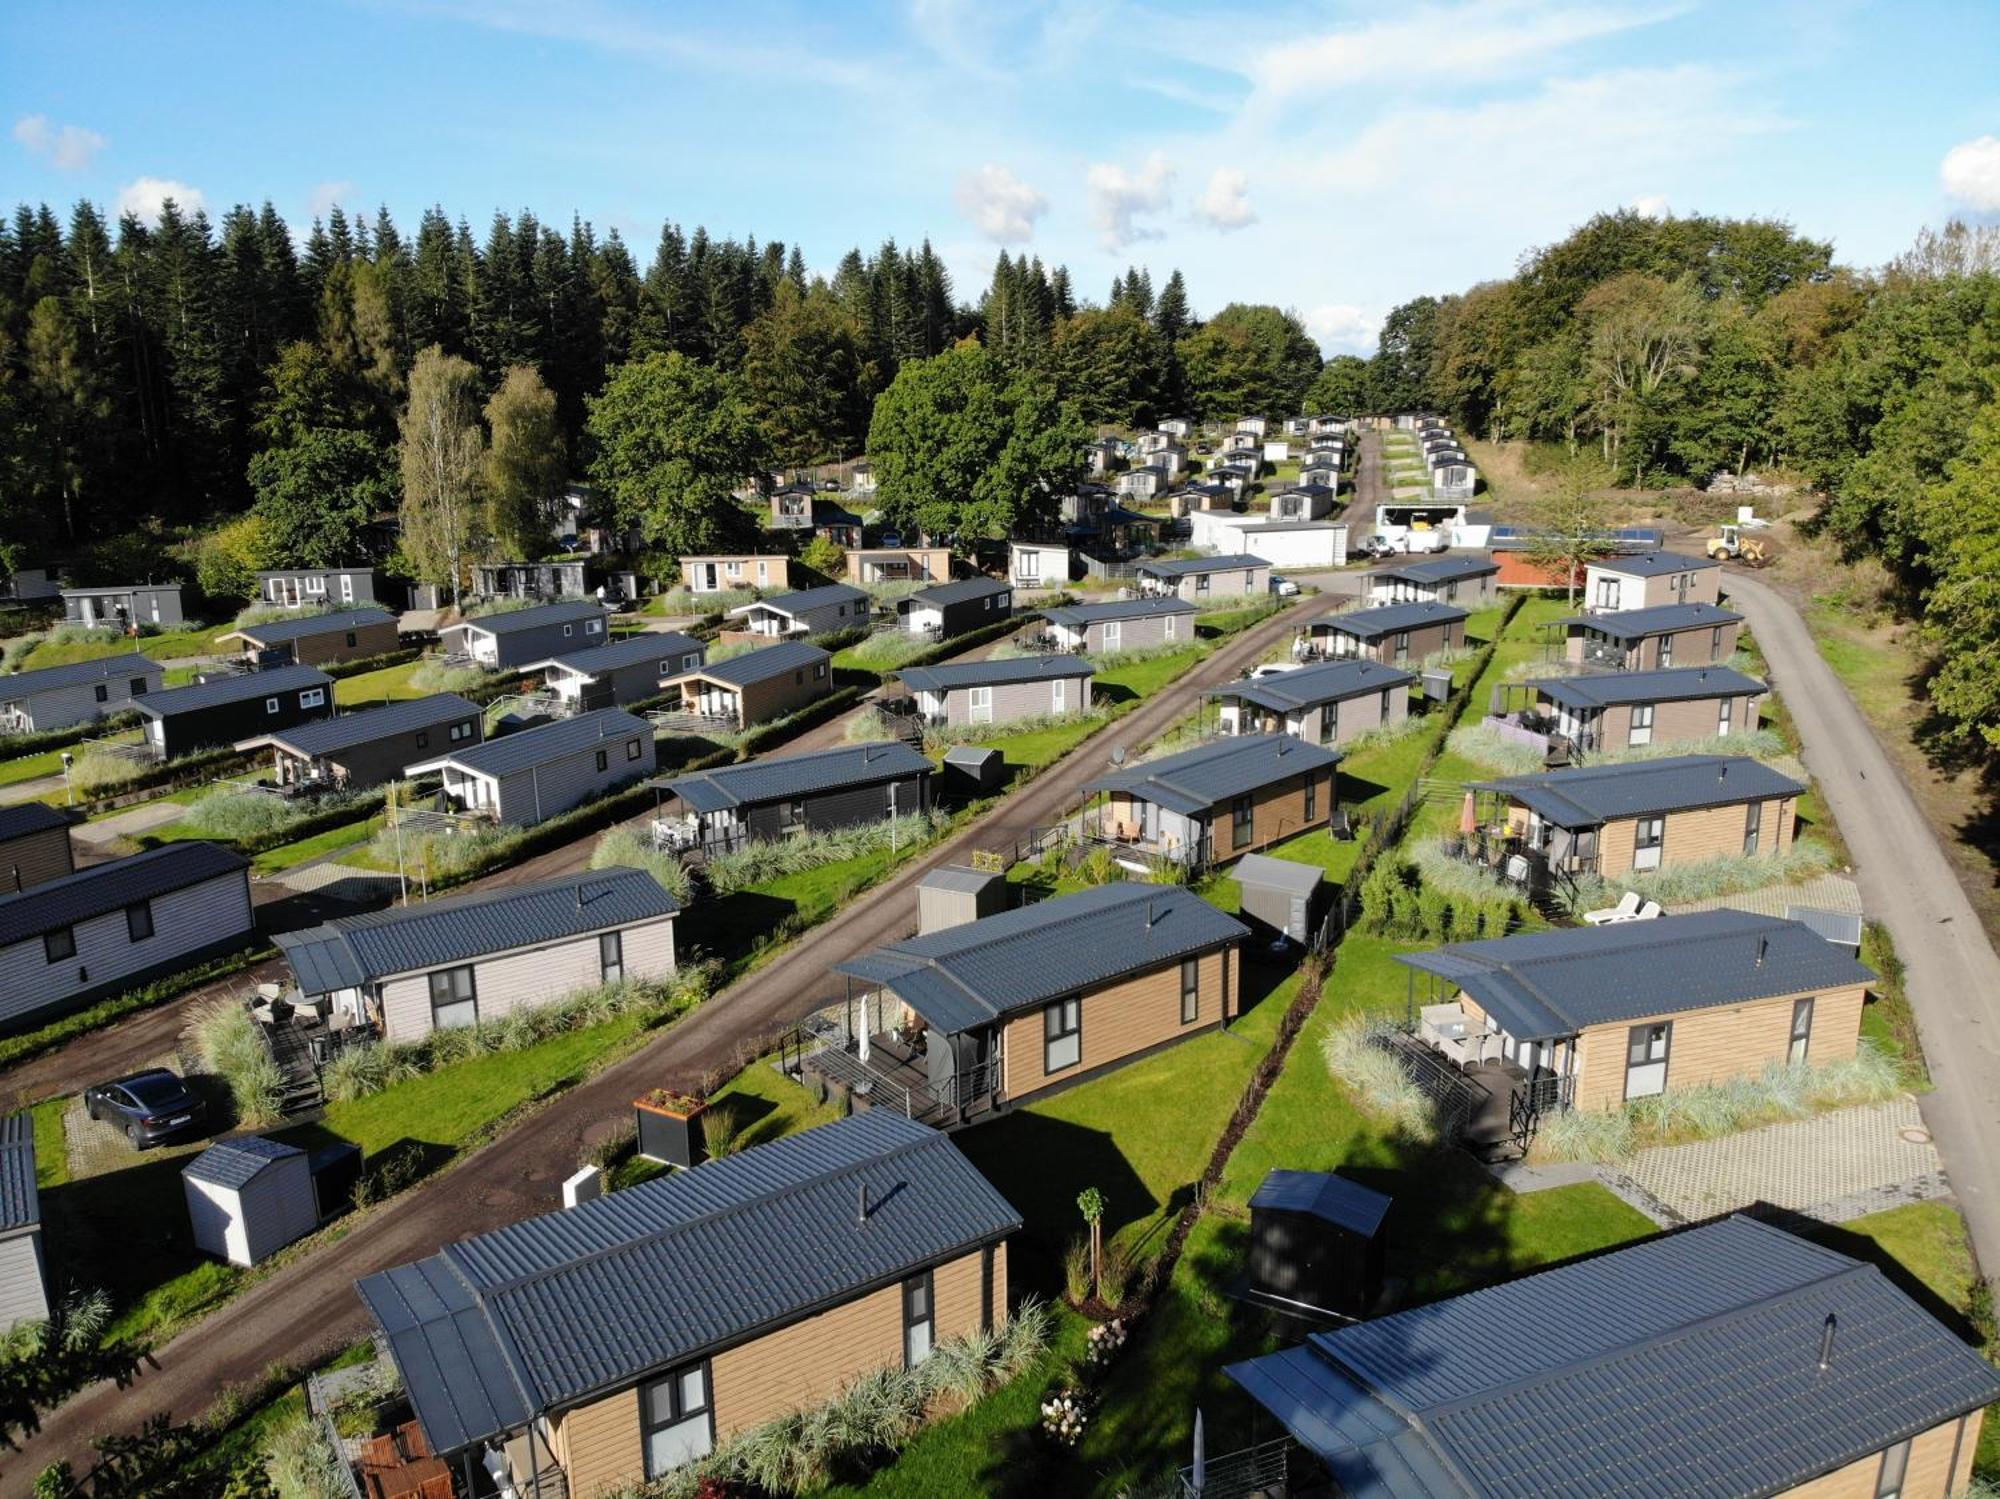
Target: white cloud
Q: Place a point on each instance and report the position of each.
(999, 205)
(1226, 204)
(1652, 206)
(1971, 173)
(1119, 197)
(1343, 329)
(69, 148)
(144, 197)
(327, 194)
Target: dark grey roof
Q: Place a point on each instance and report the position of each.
(108, 589)
(1674, 685)
(1390, 619)
(1330, 1198)
(20, 684)
(1190, 566)
(1594, 794)
(971, 975)
(313, 572)
(1654, 564)
(807, 599)
(993, 673)
(329, 736)
(961, 878)
(1555, 983)
(20, 1200)
(959, 592)
(544, 743)
(1308, 686)
(242, 687)
(1082, 615)
(1686, 1365)
(1439, 570)
(1195, 780)
(305, 626)
(786, 776)
(550, 1311)
(1665, 619)
(23, 818)
(353, 950)
(234, 1164)
(763, 663)
(1267, 873)
(632, 650)
(103, 888)
(507, 621)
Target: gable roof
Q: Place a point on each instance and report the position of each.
(344, 731)
(1594, 794)
(103, 888)
(1309, 686)
(23, 818)
(785, 776)
(1085, 615)
(1266, 873)
(762, 664)
(993, 673)
(20, 1199)
(614, 655)
(959, 592)
(1200, 778)
(305, 626)
(353, 950)
(508, 621)
(1556, 983)
(975, 973)
(239, 687)
(1438, 569)
(1654, 564)
(805, 600)
(1663, 619)
(493, 1330)
(105, 590)
(234, 1164)
(1325, 1196)
(1390, 619)
(1188, 567)
(20, 684)
(542, 744)
(1688, 1364)
(1674, 685)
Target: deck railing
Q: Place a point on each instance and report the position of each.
(1259, 1470)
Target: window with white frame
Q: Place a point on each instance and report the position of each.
(1801, 1037)
(979, 704)
(1666, 651)
(270, 705)
(1753, 827)
(611, 956)
(313, 697)
(1724, 715)
(1642, 724)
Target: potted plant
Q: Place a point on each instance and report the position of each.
(667, 1126)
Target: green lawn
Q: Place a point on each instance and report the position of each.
(385, 685)
(31, 767)
(291, 855)
(1142, 679)
(51, 1144)
(169, 645)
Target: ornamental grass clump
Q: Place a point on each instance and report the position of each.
(302, 1463)
(757, 862)
(1357, 1052)
(627, 847)
(229, 1045)
(435, 676)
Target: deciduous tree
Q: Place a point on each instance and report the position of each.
(527, 469)
(443, 459)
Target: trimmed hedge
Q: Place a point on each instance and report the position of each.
(402, 657)
(15, 746)
(168, 775)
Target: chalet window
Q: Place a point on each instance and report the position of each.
(1062, 1034)
(59, 944)
(593, 627)
(1753, 826)
(819, 671)
(1385, 703)
(460, 731)
(1329, 723)
(423, 739)
(1201, 582)
(1715, 643)
(1451, 592)
(568, 630)
(603, 761)
(798, 679)
(919, 1319)
(103, 693)
(139, 921)
(1725, 711)
(632, 749)
(270, 705)
(691, 661)
(1895, 1465)
(315, 585)
(680, 1426)
(312, 697)
(1801, 1037)
(1646, 1048)
(1312, 798)
(350, 640)
(1642, 723)
(979, 704)
(611, 957)
(1249, 579)
(735, 567)
(347, 595)
(1113, 632)
(1649, 842)
(454, 999)
(1666, 652)
(1402, 645)
(1242, 819)
(1190, 990)
(137, 687)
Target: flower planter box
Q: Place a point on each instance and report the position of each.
(670, 1128)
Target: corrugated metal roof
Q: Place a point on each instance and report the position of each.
(1191, 566)
(103, 888)
(1326, 1196)
(1555, 983)
(1674, 685)
(328, 736)
(762, 664)
(20, 1199)
(1654, 564)
(959, 592)
(970, 975)
(1195, 780)
(969, 754)
(1091, 614)
(962, 879)
(353, 950)
(593, 1298)
(1689, 1364)
(239, 688)
(22, 684)
(1438, 570)
(806, 600)
(993, 673)
(1388, 619)
(1309, 686)
(784, 776)
(1267, 873)
(24, 818)
(507, 621)
(1665, 619)
(545, 743)
(1591, 795)
(234, 1164)
(305, 626)
(648, 645)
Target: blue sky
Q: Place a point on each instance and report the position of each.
(1334, 158)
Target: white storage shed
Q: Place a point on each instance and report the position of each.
(250, 1197)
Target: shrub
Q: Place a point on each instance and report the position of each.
(434, 676)
(1482, 744)
(1357, 1057)
(627, 847)
(231, 813)
(1584, 1135)
(442, 855)
(1114, 1276)
(97, 771)
(14, 651)
(1429, 896)
(721, 1129)
(228, 1044)
(1678, 884)
(889, 649)
(1076, 1271)
(303, 1464)
(867, 728)
(755, 863)
(939, 737)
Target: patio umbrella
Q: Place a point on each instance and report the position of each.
(1468, 815)
(1198, 1474)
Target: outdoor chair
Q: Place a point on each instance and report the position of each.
(1627, 909)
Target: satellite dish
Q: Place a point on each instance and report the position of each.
(1118, 755)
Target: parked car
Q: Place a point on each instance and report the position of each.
(1377, 548)
(150, 1106)
(1284, 588)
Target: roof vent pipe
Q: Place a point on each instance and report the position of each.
(861, 1218)
(1826, 1341)
(1762, 944)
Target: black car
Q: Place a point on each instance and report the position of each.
(149, 1106)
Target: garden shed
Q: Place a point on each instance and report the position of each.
(973, 770)
(953, 894)
(1315, 1241)
(1279, 893)
(248, 1198)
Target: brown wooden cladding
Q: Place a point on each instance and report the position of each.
(1703, 833)
(1696, 647)
(600, 1446)
(34, 858)
(1426, 641)
(773, 697)
(1689, 718)
(369, 640)
(1123, 1019)
(1931, 1474)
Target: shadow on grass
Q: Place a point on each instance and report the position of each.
(726, 925)
(125, 1232)
(1113, 693)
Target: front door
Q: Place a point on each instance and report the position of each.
(710, 579)
(1646, 1048)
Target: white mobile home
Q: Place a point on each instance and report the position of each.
(56, 697)
(530, 776)
(512, 638)
(811, 611)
